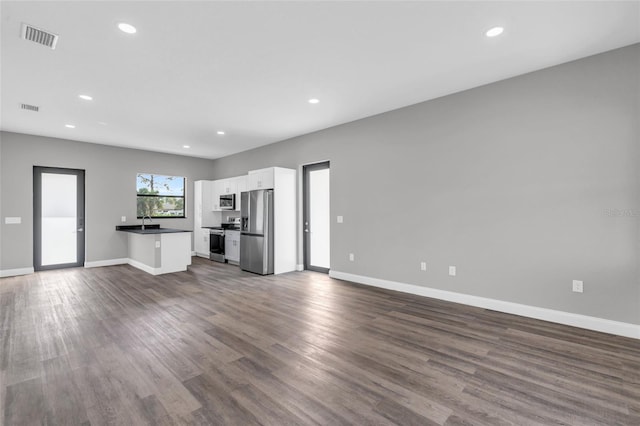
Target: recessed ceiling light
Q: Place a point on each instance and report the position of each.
(220, 132)
(313, 101)
(70, 126)
(186, 146)
(85, 97)
(127, 28)
(495, 31)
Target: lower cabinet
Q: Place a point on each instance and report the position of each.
(201, 242)
(232, 246)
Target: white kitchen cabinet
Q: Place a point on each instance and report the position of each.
(201, 237)
(227, 186)
(202, 216)
(232, 246)
(241, 186)
(260, 179)
(216, 190)
(284, 219)
(206, 200)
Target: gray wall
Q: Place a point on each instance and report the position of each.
(110, 191)
(524, 185)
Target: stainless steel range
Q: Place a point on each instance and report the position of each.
(216, 244)
(217, 238)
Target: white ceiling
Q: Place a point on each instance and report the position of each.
(248, 68)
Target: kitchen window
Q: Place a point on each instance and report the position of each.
(160, 196)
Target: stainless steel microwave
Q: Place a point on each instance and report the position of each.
(228, 202)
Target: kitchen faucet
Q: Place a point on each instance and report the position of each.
(143, 220)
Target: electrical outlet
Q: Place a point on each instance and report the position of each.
(423, 266)
(157, 244)
(577, 286)
(123, 219)
(352, 257)
(452, 271)
(340, 219)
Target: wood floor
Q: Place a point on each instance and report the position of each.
(215, 345)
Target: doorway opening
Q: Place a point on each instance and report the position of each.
(316, 217)
(58, 218)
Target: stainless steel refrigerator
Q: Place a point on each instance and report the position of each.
(256, 231)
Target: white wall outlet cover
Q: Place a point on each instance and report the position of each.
(578, 286)
(340, 219)
(352, 257)
(123, 219)
(157, 244)
(423, 266)
(12, 220)
(452, 271)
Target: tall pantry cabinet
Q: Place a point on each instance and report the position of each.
(203, 216)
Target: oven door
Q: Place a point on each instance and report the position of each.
(216, 246)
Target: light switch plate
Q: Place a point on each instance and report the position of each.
(12, 220)
(123, 219)
(340, 219)
(157, 244)
(452, 271)
(578, 286)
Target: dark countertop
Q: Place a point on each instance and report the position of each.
(225, 227)
(149, 229)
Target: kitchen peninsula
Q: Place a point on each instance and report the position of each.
(158, 250)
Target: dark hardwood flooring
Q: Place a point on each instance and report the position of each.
(216, 345)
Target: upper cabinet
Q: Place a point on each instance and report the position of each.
(234, 185)
(260, 179)
(241, 186)
(216, 190)
(207, 201)
(227, 186)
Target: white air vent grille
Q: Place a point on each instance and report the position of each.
(30, 107)
(39, 36)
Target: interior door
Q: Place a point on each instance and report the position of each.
(317, 217)
(58, 218)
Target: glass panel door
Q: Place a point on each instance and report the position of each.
(58, 218)
(317, 217)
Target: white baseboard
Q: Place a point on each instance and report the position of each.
(107, 262)
(560, 317)
(146, 268)
(155, 271)
(299, 267)
(96, 264)
(15, 272)
(193, 253)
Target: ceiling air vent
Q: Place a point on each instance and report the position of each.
(39, 36)
(30, 107)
